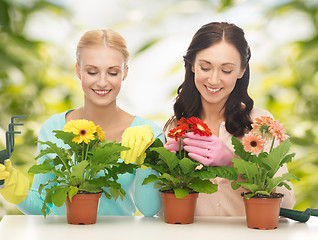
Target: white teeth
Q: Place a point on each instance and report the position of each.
(102, 92)
(213, 89)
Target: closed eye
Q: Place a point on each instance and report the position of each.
(92, 73)
(205, 69)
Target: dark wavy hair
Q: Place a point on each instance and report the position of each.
(239, 104)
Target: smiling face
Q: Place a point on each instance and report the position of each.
(101, 70)
(216, 70)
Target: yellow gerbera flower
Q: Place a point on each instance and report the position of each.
(83, 128)
(100, 133)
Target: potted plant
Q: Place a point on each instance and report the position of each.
(181, 178)
(84, 169)
(257, 162)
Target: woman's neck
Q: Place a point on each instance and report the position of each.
(213, 116)
(212, 112)
(101, 115)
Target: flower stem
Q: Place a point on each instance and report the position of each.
(271, 149)
(180, 147)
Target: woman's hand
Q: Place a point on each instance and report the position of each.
(208, 150)
(16, 184)
(172, 145)
(138, 139)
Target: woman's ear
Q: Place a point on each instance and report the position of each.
(78, 71)
(242, 73)
(125, 72)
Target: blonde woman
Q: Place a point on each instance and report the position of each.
(101, 67)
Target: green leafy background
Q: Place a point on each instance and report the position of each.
(37, 77)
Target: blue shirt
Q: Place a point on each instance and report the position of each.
(143, 197)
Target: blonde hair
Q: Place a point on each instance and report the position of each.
(102, 37)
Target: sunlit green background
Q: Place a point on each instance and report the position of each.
(37, 57)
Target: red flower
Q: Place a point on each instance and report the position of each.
(192, 124)
(198, 126)
(178, 131)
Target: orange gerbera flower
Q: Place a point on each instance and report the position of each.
(178, 131)
(253, 143)
(278, 131)
(261, 127)
(198, 126)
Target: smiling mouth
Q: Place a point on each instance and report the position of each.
(101, 92)
(213, 90)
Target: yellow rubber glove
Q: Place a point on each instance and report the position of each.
(138, 139)
(16, 184)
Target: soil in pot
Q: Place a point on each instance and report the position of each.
(262, 212)
(179, 210)
(83, 208)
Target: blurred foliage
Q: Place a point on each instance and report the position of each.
(290, 91)
(30, 81)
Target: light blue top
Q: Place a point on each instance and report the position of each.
(143, 197)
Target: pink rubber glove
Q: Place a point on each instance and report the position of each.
(172, 145)
(210, 151)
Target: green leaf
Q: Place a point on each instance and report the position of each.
(224, 172)
(67, 138)
(248, 168)
(72, 192)
(59, 196)
(274, 182)
(235, 185)
(203, 186)
(60, 152)
(239, 151)
(249, 186)
(263, 192)
(77, 174)
(114, 192)
(168, 157)
(275, 158)
(169, 177)
(187, 165)
(149, 179)
(45, 167)
(181, 192)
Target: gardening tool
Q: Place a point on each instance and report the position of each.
(300, 216)
(6, 153)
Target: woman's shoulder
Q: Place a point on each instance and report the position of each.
(257, 112)
(139, 121)
(54, 122)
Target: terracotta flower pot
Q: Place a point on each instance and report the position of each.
(179, 210)
(262, 213)
(83, 208)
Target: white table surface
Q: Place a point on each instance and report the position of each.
(25, 227)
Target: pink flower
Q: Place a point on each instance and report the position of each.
(253, 143)
(278, 131)
(261, 127)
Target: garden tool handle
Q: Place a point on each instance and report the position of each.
(2, 181)
(294, 215)
(313, 212)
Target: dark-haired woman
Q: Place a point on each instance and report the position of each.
(215, 90)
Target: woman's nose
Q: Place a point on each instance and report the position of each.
(214, 78)
(102, 81)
